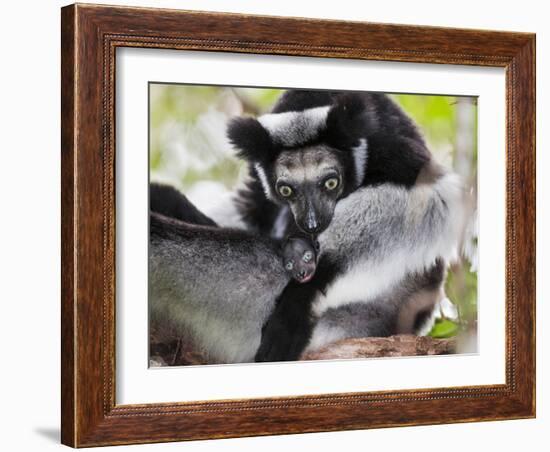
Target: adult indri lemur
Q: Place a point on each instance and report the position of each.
(352, 169)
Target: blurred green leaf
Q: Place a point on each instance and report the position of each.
(444, 328)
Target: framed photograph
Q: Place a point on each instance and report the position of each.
(282, 225)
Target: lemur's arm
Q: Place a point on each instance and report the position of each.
(288, 330)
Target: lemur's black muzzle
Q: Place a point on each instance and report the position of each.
(313, 213)
(311, 225)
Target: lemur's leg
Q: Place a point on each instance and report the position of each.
(354, 320)
(403, 309)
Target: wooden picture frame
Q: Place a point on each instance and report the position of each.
(90, 36)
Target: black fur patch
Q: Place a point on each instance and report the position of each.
(251, 139)
(434, 276)
(169, 202)
(162, 228)
(288, 330)
(257, 212)
(348, 121)
(397, 151)
(300, 100)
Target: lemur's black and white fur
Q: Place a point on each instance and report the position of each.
(386, 228)
(366, 137)
(349, 168)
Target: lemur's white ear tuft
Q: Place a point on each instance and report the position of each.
(251, 140)
(295, 128)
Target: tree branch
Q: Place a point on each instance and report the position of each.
(177, 353)
(374, 347)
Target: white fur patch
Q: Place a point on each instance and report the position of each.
(428, 325)
(365, 281)
(263, 179)
(360, 153)
(323, 335)
(294, 128)
(281, 222)
(224, 212)
(372, 276)
(448, 309)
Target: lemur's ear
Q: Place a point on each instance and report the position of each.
(251, 139)
(348, 120)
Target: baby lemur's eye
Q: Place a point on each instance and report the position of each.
(285, 191)
(308, 255)
(332, 183)
(289, 265)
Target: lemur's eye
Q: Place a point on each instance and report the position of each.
(331, 183)
(289, 265)
(308, 255)
(285, 191)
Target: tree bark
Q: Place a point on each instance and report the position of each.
(375, 347)
(176, 353)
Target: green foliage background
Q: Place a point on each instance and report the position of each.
(189, 149)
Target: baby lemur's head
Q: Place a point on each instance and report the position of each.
(300, 259)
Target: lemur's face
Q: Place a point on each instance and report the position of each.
(307, 155)
(310, 181)
(300, 259)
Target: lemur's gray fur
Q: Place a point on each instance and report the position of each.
(214, 287)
